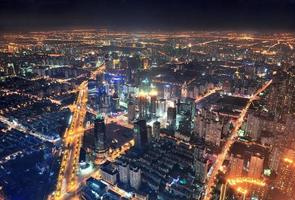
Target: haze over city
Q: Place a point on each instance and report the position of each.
(147, 100)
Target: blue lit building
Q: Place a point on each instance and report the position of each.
(94, 189)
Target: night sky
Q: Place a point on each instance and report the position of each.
(148, 15)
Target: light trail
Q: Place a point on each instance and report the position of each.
(212, 91)
(67, 178)
(240, 180)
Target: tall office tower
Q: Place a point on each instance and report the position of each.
(143, 106)
(140, 134)
(171, 117)
(149, 133)
(161, 107)
(153, 105)
(131, 111)
(100, 134)
(105, 102)
(135, 177)
(236, 165)
(124, 172)
(156, 130)
(282, 96)
(255, 166)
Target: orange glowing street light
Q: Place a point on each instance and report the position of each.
(288, 160)
(242, 180)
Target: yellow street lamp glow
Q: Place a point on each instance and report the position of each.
(154, 93)
(142, 93)
(241, 180)
(288, 160)
(241, 190)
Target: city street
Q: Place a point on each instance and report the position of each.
(67, 178)
(221, 157)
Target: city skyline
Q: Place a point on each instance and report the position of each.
(147, 100)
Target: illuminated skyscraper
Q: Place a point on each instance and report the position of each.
(161, 107)
(153, 106)
(143, 107)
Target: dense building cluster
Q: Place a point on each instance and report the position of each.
(191, 115)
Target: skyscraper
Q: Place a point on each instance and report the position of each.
(161, 107)
(171, 117)
(135, 177)
(124, 172)
(143, 106)
(100, 134)
(156, 130)
(140, 134)
(149, 133)
(153, 106)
